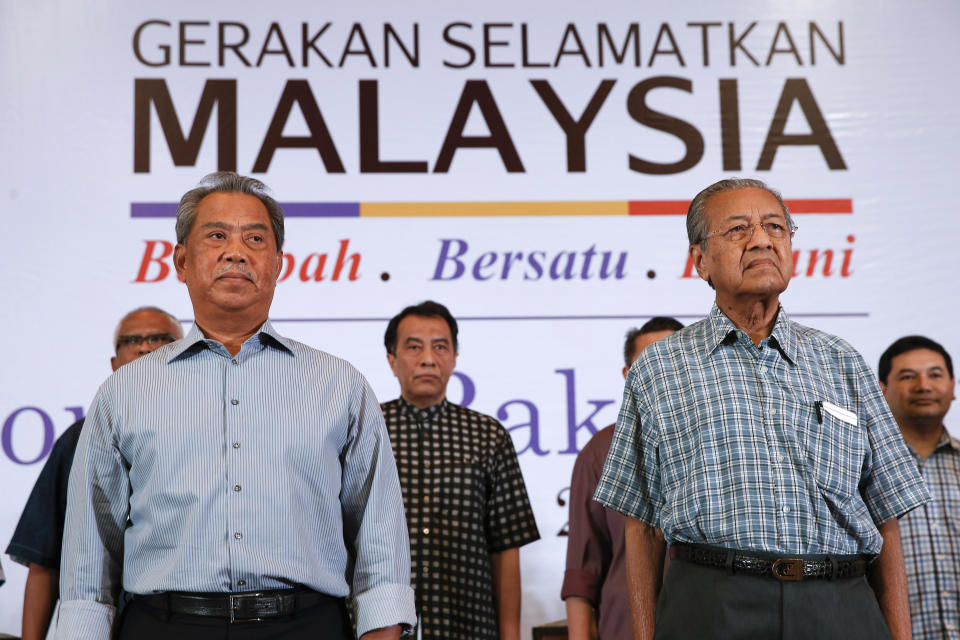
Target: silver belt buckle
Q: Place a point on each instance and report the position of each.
(790, 569)
(234, 603)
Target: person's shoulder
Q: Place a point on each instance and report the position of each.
(599, 444)
(488, 423)
(816, 340)
(670, 352)
(324, 360)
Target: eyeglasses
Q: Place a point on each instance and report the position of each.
(154, 340)
(743, 232)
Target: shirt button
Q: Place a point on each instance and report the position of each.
(786, 509)
(426, 498)
(762, 369)
(234, 401)
(426, 531)
(240, 583)
(236, 487)
(236, 445)
(427, 464)
(426, 569)
(238, 535)
(234, 361)
(772, 412)
(779, 457)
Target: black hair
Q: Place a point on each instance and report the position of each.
(426, 309)
(910, 343)
(658, 323)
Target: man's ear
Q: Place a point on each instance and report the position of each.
(179, 259)
(279, 264)
(113, 363)
(392, 361)
(696, 256)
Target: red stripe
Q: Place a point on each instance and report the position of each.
(796, 205)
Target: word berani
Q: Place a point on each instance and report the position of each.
(153, 94)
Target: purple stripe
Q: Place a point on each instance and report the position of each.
(290, 209)
(153, 209)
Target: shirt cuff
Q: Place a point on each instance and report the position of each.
(384, 606)
(84, 620)
(581, 584)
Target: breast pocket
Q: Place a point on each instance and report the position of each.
(836, 448)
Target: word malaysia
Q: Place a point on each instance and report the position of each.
(153, 95)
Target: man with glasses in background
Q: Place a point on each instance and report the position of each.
(765, 453)
(38, 537)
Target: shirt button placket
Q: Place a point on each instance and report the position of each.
(233, 421)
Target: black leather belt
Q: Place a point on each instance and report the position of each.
(770, 566)
(237, 607)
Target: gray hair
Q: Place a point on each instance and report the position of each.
(227, 182)
(696, 215)
(174, 322)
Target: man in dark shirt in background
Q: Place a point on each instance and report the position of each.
(38, 537)
(467, 508)
(595, 585)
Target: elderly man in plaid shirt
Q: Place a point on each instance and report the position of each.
(916, 375)
(764, 452)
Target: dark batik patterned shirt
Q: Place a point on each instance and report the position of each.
(465, 498)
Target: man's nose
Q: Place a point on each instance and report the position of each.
(235, 251)
(759, 236)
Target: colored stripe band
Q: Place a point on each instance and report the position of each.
(496, 209)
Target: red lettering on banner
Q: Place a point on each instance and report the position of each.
(805, 263)
(313, 268)
(318, 272)
(149, 256)
(341, 261)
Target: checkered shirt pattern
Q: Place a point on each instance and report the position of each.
(465, 498)
(719, 441)
(930, 537)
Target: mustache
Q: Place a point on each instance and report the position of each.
(236, 266)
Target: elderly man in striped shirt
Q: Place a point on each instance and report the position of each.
(764, 452)
(238, 483)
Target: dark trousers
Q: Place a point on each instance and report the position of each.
(322, 622)
(702, 603)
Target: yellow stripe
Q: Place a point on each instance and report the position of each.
(488, 209)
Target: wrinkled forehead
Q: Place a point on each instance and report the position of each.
(745, 203)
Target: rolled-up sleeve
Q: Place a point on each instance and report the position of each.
(374, 523)
(97, 509)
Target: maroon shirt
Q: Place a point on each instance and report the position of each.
(595, 547)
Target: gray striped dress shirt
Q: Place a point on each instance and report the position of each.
(204, 472)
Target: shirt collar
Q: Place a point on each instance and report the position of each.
(946, 440)
(195, 341)
(424, 415)
(722, 331)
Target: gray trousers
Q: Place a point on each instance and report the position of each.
(701, 603)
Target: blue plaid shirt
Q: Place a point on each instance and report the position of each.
(785, 447)
(930, 536)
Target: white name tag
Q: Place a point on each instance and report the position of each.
(840, 413)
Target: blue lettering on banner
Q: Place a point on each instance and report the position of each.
(49, 435)
(568, 264)
(572, 426)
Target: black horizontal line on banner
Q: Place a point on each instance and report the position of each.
(583, 317)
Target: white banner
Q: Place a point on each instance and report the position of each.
(526, 164)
